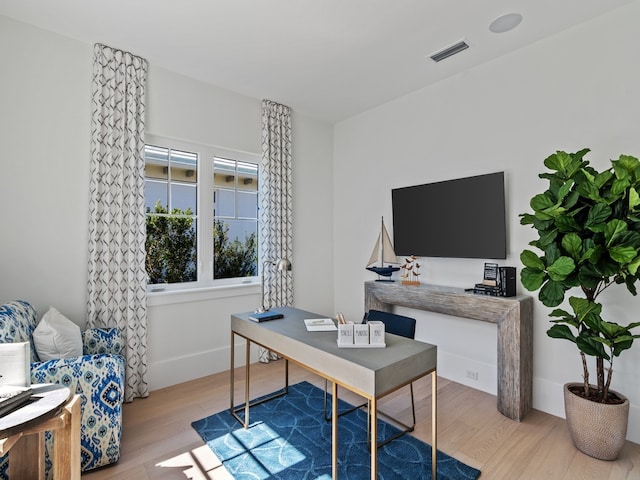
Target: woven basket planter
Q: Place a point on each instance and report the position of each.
(597, 429)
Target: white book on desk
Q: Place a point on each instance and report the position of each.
(320, 324)
(14, 364)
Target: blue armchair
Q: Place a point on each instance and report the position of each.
(97, 376)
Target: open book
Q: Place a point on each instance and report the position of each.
(320, 324)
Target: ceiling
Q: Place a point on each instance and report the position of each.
(328, 59)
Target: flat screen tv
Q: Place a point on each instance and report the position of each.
(461, 218)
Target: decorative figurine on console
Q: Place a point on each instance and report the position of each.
(411, 269)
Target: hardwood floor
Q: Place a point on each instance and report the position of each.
(159, 443)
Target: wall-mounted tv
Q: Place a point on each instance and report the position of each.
(461, 218)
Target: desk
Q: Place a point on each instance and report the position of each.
(53, 409)
(371, 373)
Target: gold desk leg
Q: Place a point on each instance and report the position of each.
(235, 411)
(334, 431)
(247, 359)
(232, 380)
(374, 438)
(434, 427)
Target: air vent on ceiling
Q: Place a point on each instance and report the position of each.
(447, 52)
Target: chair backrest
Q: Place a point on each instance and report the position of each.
(17, 323)
(393, 323)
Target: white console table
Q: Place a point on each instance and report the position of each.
(513, 315)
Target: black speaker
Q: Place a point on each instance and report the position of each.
(507, 281)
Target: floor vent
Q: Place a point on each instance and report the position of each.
(447, 52)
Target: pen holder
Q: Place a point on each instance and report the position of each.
(345, 334)
(376, 332)
(361, 334)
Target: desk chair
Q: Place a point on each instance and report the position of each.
(396, 325)
(403, 327)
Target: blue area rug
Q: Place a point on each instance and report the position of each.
(288, 438)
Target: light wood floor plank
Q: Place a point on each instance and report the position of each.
(158, 442)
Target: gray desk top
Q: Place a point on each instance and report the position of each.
(372, 372)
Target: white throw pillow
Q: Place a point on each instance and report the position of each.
(57, 337)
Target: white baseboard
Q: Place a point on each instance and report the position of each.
(459, 369)
(176, 370)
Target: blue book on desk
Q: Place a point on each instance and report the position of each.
(263, 317)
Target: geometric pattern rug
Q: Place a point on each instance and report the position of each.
(288, 439)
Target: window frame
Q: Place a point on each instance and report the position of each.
(205, 188)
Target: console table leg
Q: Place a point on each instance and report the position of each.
(434, 425)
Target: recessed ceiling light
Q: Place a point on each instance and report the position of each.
(504, 23)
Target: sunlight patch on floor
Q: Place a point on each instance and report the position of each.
(198, 464)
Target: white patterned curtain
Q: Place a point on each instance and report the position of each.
(275, 218)
(117, 275)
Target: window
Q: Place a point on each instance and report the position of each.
(202, 213)
(235, 216)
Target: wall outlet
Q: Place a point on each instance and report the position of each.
(472, 375)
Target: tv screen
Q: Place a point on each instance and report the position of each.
(461, 218)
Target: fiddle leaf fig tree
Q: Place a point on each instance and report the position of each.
(588, 225)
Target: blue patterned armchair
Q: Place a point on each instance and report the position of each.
(97, 376)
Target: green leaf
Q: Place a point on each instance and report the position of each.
(552, 253)
(591, 347)
(558, 312)
(532, 278)
(562, 267)
(589, 275)
(583, 307)
(547, 237)
(564, 190)
(541, 202)
(634, 198)
(566, 224)
(612, 229)
(603, 177)
(526, 219)
(530, 259)
(622, 254)
(558, 162)
(625, 166)
(552, 293)
(589, 190)
(620, 185)
(598, 214)
(572, 244)
(561, 331)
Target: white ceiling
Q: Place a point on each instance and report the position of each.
(329, 59)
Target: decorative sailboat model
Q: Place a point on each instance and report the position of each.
(383, 253)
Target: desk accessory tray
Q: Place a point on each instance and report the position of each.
(361, 345)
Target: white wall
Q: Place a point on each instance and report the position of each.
(44, 167)
(45, 95)
(577, 89)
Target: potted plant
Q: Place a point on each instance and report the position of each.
(588, 225)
